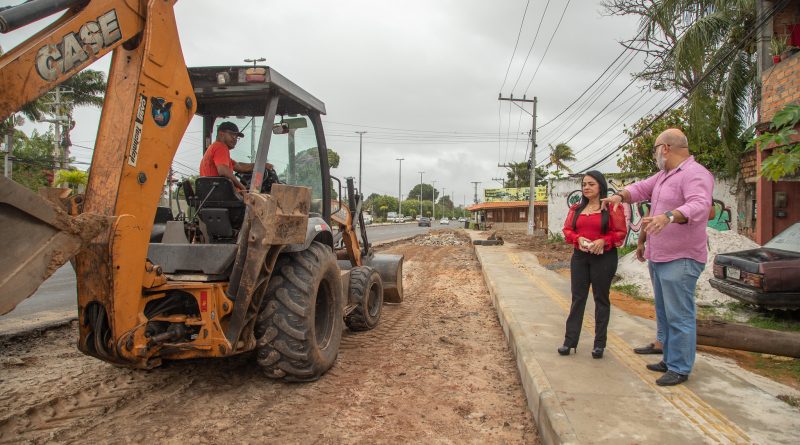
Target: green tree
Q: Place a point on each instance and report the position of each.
(558, 155)
(72, 178)
(637, 156)
(427, 190)
(519, 175)
(380, 205)
(785, 157)
(684, 40)
(333, 158)
(32, 159)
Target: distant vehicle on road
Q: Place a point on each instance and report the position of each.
(367, 218)
(424, 222)
(408, 218)
(462, 219)
(444, 221)
(768, 276)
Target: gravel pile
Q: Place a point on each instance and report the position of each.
(631, 271)
(439, 239)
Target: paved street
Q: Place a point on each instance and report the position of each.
(57, 294)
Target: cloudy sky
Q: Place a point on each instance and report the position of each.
(422, 78)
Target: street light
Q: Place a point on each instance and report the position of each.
(420, 193)
(400, 188)
(443, 207)
(433, 198)
(360, 141)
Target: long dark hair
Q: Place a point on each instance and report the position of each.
(601, 180)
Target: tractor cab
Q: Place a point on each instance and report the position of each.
(282, 127)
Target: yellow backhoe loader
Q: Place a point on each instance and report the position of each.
(229, 273)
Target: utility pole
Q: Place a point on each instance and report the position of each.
(420, 193)
(501, 181)
(253, 119)
(59, 149)
(475, 183)
(443, 207)
(433, 198)
(400, 188)
(360, 145)
(532, 161)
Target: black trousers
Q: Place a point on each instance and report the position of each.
(597, 270)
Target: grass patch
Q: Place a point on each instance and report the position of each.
(779, 367)
(775, 323)
(624, 250)
(631, 290)
(555, 238)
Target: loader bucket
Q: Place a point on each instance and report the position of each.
(37, 238)
(390, 268)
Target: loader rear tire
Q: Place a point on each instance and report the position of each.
(366, 288)
(299, 327)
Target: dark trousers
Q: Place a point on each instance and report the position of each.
(597, 270)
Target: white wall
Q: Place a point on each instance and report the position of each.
(561, 190)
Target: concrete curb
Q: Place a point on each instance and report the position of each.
(552, 421)
(25, 327)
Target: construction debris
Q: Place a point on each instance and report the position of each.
(439, 239)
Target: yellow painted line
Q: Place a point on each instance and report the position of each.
(706, 419)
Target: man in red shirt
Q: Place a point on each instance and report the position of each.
(217, 158)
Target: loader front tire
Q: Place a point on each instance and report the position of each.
(366, 288)
(299, 326)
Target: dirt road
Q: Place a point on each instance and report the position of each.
(436, 370)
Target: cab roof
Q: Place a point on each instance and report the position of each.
(244, 90)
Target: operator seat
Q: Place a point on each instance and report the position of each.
(220, 208)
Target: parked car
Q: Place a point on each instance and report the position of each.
(462, 219)
(424, 222)
(768, 276)
(444, 221)
(408, 218)
(367, 219)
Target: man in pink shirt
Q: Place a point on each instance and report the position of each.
(680, 196)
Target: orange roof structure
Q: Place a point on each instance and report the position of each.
(504, 205)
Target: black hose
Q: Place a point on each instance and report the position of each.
(18, 16)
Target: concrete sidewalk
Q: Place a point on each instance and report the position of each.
(577, 399)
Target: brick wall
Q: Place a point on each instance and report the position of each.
(781, 82)
(780, 86)
(748, 164)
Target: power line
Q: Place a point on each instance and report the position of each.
(558, 25)
(626, 49)
(535, 37)
(702, 78)
(524, 13)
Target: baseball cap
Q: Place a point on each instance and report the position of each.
(230, 126)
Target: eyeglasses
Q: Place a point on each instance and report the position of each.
(655, 147)
(232, 133)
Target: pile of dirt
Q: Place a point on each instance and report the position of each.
(552, 253)
(441, 238)
(632, 271)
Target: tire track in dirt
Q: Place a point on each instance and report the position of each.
(435, 370)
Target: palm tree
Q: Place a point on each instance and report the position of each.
(87, 88)
(718, 37)
(558, 155)
(685, 39)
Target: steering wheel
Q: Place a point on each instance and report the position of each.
(270, 177)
